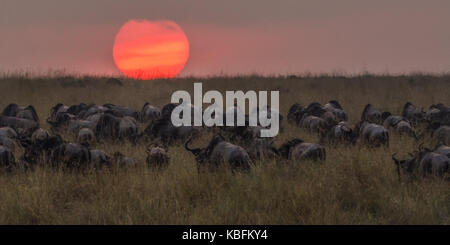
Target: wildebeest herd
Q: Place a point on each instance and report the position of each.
(238, 147)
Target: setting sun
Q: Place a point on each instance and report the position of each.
(150, 49)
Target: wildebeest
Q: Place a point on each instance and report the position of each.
(424, 162)
(442, 135)
(317, 118)
(99, 158)
(297, 149)
(412, 113)
(334, 112)
(92, 111)
(122, 111)
(157, 156)
(123, 161)
(371, 114)
(40, 151)
(164, 130)
(39, 135)
(85, 136)
(22, 126)
(112, 127)
(339, 133)
(56, 110)
(314, 124)
(66, 122)
(71, 155)
(14, 110)
(294, 113)
(8, 132)
(372, 134)
(8, 143)
(220, 151)
(149, 113)
(442, 149)
(438, 113)
(6, 157)
(400, 124)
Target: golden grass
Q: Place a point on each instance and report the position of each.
(353, 186)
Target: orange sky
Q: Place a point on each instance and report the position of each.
(234, 37)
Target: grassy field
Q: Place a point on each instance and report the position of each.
(353, 186)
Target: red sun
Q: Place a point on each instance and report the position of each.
(150, 49)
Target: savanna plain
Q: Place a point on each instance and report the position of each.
(354, 185)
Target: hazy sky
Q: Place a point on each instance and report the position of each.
(235, 36)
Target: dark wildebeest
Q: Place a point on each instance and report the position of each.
(85, 136)
(123, 161)
(71, 155)
(39, 135)
(56, 110)
(442, 149)
(8, 143)
(100, 159)
(8, 132)
(412, 113)
(92, 110)
(438, 113)
(66, 122)
(297, 149)
(334, 112)
(163, 129)
(157, 156)
(372, 134)
(40, 151)
(400, 124)
(122, 111)
(339, 133)
(112, 127)
(314, 124)
(23, 127)
(442, 135)
(424, 162)
(149, 113)
(294, 113)
(371, 114)
(13, 110)
(220, 151)
(6, 157)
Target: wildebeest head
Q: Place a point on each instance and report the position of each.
(11, 110)
(157, 155)
(202, 154)
(293, 112)
(413, 113)
(335, 104)
(166, 111)
(371, 114)
(149, 113)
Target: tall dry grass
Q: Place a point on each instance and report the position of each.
(353, 186)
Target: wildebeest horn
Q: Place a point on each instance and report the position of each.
(421, 146)
(195, 151)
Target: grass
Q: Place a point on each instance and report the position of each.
(354, 185)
